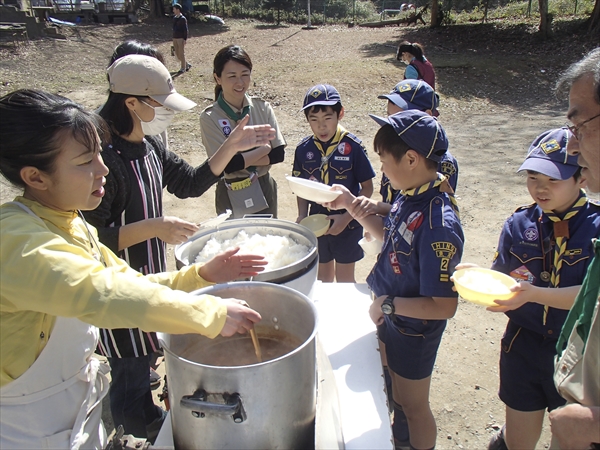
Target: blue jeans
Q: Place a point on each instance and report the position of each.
(131, 402)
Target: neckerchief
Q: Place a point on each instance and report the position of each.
(561, 234)
(583, 309)
(444, 186)
(326, 154)
(229, 111)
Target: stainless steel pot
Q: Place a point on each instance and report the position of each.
(300, 275)
(269, 405)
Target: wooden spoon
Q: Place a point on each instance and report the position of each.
(256, 345)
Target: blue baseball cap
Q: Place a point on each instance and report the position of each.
(413, 94)
(548, 155)
(321, 94)
(420, 131)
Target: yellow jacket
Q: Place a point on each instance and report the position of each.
(47, 269)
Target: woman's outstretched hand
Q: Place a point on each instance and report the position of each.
(228, 266)
(245, 136)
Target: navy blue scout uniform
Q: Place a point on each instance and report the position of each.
(423, 243)
(526, 252)
(343, 160)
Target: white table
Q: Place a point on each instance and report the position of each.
(347, 337)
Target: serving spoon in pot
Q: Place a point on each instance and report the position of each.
(256, 345)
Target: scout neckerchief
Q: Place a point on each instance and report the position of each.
(444, 185)
(583, 308)
(236, 117)
(326, 154)
(561, 234)
(229, 110)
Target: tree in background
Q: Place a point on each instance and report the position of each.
(279, 5)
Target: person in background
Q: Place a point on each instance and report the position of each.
(58, 283)
(417, 66)
(332, 155)
(422, 244)
(130, 220)
(133, 47)
(180, 35)
(246, 187)
(577, 374)
(546, 247)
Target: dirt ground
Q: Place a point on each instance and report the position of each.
(495, 86)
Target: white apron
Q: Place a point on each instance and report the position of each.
(57, 402)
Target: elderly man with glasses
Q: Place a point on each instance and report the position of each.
(577, 371)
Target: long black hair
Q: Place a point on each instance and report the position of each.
(33, 126)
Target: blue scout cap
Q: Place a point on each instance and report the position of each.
(321, 94)
(413, 94)
(420, 131)
(548, 155)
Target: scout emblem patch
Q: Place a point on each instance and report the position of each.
(344, 148)
(531, 234)
(310, 155)
(550, 146)
(225, 127)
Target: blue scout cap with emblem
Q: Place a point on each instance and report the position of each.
(420, 131)
(321, 94)
(548, 155)
(413, 94)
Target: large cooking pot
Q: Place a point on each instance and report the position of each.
(300, 275)
(245, 404)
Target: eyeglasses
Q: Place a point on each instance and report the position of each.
(574, 129)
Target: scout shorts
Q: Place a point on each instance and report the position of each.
(411, 345)
(343, 248)
(527, 370)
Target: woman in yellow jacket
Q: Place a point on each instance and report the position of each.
(58, 283)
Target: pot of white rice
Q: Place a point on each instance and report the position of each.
(289, 248)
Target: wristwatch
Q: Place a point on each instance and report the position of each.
(387, 307)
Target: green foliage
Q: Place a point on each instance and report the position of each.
(345, 11)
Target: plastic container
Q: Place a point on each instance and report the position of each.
(483, 286)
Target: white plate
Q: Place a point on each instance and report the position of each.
(311, 190)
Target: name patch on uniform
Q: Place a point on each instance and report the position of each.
(344, 148)
(225, 127)
(531, 234)
(522, 273)
(310, 155)
(341, 158)
(341, 177)
(394, 263)
(573, 252)
(445, 251)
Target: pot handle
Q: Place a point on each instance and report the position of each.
(201, 407)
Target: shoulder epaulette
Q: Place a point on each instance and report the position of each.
(303, 141)
(526, 207)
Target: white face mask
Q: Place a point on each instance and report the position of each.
(162, 119)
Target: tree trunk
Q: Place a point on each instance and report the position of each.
(595, 18)
(157, 8)
(435, 22)
(544, 26)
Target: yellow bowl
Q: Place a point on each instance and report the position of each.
(318, 224)
(483, 286)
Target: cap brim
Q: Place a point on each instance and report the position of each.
(174, 101)
(381, 121)
(549, 168)
(323, 103)
(398, 101)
